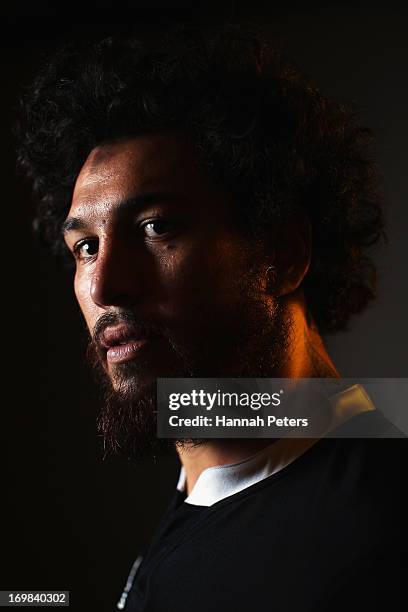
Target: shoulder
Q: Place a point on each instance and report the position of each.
(369, 449)
(359, 483)
(357, 479)
(366, 453)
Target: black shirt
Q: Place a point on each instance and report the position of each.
(327, 532)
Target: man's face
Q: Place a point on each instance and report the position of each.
(167, 284)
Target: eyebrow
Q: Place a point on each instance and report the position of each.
(129, 204)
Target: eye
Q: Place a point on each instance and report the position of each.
(86, 249)
(157, 228)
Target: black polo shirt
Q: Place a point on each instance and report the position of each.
(326, 532)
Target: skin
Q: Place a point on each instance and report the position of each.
(184, 272)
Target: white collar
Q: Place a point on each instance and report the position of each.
(220, 481)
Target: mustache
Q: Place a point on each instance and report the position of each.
(135, 325)
(143, 327)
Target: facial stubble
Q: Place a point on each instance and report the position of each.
(127, 421)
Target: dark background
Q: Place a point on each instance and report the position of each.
(69, 519)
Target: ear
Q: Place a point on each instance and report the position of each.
(293, 240)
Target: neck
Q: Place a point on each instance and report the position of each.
(306, 358)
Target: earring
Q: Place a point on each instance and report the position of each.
(271, 275)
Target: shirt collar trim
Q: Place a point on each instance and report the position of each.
(221, 481)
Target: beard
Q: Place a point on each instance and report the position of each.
(250, 340)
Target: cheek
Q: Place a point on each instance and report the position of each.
(204, 273)
(185, 269)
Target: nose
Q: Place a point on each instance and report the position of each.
(120, 275)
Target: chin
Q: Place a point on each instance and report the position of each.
(132, 387)
(132, 375)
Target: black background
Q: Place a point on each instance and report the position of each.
(69, 519)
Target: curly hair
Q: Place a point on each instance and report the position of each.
(266, 133)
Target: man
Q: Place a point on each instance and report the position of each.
(218, 209)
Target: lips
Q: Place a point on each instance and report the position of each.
(123, 343)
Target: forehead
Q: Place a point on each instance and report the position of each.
(159, 162)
